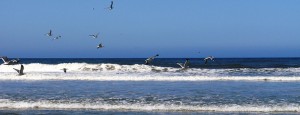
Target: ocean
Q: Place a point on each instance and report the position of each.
(127, 86)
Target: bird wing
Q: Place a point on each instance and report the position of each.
(146, 62)
(17, 70)
(151, 58)
(180, 64)
(57, 37)
(111, 5)
(186, 64)
(50, 33)
(5, 59)
(210, 57)
(205, 59)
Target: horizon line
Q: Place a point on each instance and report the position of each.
(137, 57)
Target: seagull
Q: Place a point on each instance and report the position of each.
(20, 71)
(6, 61)
(64, 69)
(207, 58)
(149, 60)
(57, 37)
(94, 35)
(100, 46)
(111, 5)
(50, 33)
(185, 65)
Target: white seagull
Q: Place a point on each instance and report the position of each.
(6, 61)
(207, 58)
(150, 59)
(185, 65)
(21, 70)
(94, 35)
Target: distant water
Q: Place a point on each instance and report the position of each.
(126, 86)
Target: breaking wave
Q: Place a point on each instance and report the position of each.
(37, 67)
(139, 72)
(70, 105)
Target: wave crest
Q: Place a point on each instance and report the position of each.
(37, 67)
(78, 71)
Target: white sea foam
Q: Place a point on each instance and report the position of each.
(44, 104)
(97, 77)
(37, 67)
(116, 72)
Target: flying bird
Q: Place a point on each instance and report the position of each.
(111, 5)
(185, 65)
(208, 58)
(57, 37)
(94, 35)
(150, 59)
(64, 69)
(100, 46)
(49, 33)
(20, 71)
(6, 61)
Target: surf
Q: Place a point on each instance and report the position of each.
(141, 72)
(75, 105)
(99, 77)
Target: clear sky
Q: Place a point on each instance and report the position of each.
(142, 28)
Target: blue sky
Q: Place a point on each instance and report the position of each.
(141, 28)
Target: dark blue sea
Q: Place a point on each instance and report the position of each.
(127, 86)
(171, 62)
